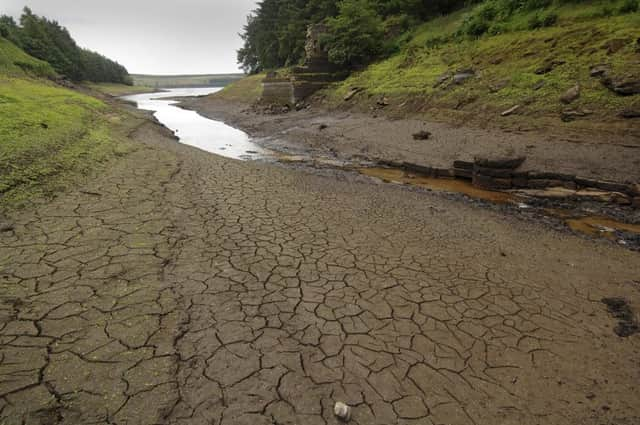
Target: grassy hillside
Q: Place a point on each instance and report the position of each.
(247, 90)
(49, 135)
(14, 62)
(508, 64)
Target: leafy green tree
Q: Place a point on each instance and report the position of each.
(8, 27)
(275, 33)
(356, 35)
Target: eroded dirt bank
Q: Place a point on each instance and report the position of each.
(185, 288)
(611, 156)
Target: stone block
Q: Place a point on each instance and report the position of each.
(463, 165)
(503, 173)
(504, 163)
(418, 169)
(443, 172)
(278, 92)
(551, 176)
(462, 173)
(544, 183)
(492, 183)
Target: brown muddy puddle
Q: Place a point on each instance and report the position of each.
(602, 227)
(394, 175)
(594, 226)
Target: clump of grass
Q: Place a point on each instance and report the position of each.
(629, 6)
(543, 20)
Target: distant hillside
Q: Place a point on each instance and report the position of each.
(179, 81)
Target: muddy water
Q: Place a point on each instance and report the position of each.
(594, 226)
(602, 227)
(195, 130)
(439, 184)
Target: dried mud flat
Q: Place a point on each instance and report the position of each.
(184, 288)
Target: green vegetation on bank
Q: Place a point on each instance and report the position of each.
(246, 90)
(478, 57)
(50, 136)
(49, 41)
(114, 89)
(15, 62)
(516, 65)
(360, 30)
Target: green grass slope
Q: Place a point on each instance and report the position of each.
(15, 62)
(584, 35)
(49, 135)
(114, 89)
(246, 90)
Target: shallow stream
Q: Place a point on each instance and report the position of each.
(195, 130)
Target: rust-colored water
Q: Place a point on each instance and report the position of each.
(595, 226)
(601, 226)
(440, 184)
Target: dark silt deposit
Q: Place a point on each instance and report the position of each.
(620, 309)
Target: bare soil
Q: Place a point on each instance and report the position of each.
(180, 287)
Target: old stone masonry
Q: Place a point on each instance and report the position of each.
(184, 288)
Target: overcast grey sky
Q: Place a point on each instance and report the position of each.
(152, 36)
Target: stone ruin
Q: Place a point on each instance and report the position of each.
(316, 58)
(305, 80)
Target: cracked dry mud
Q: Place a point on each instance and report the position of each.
(184, 288)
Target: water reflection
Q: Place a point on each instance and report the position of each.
(195, 130)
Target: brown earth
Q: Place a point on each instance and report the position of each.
(180, 287)
(346, 134)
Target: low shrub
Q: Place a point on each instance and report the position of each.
(542, 20)
(629, 6)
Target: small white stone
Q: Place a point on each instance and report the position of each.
(342, 411)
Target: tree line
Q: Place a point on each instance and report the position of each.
(359, 30)
(49, 41)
